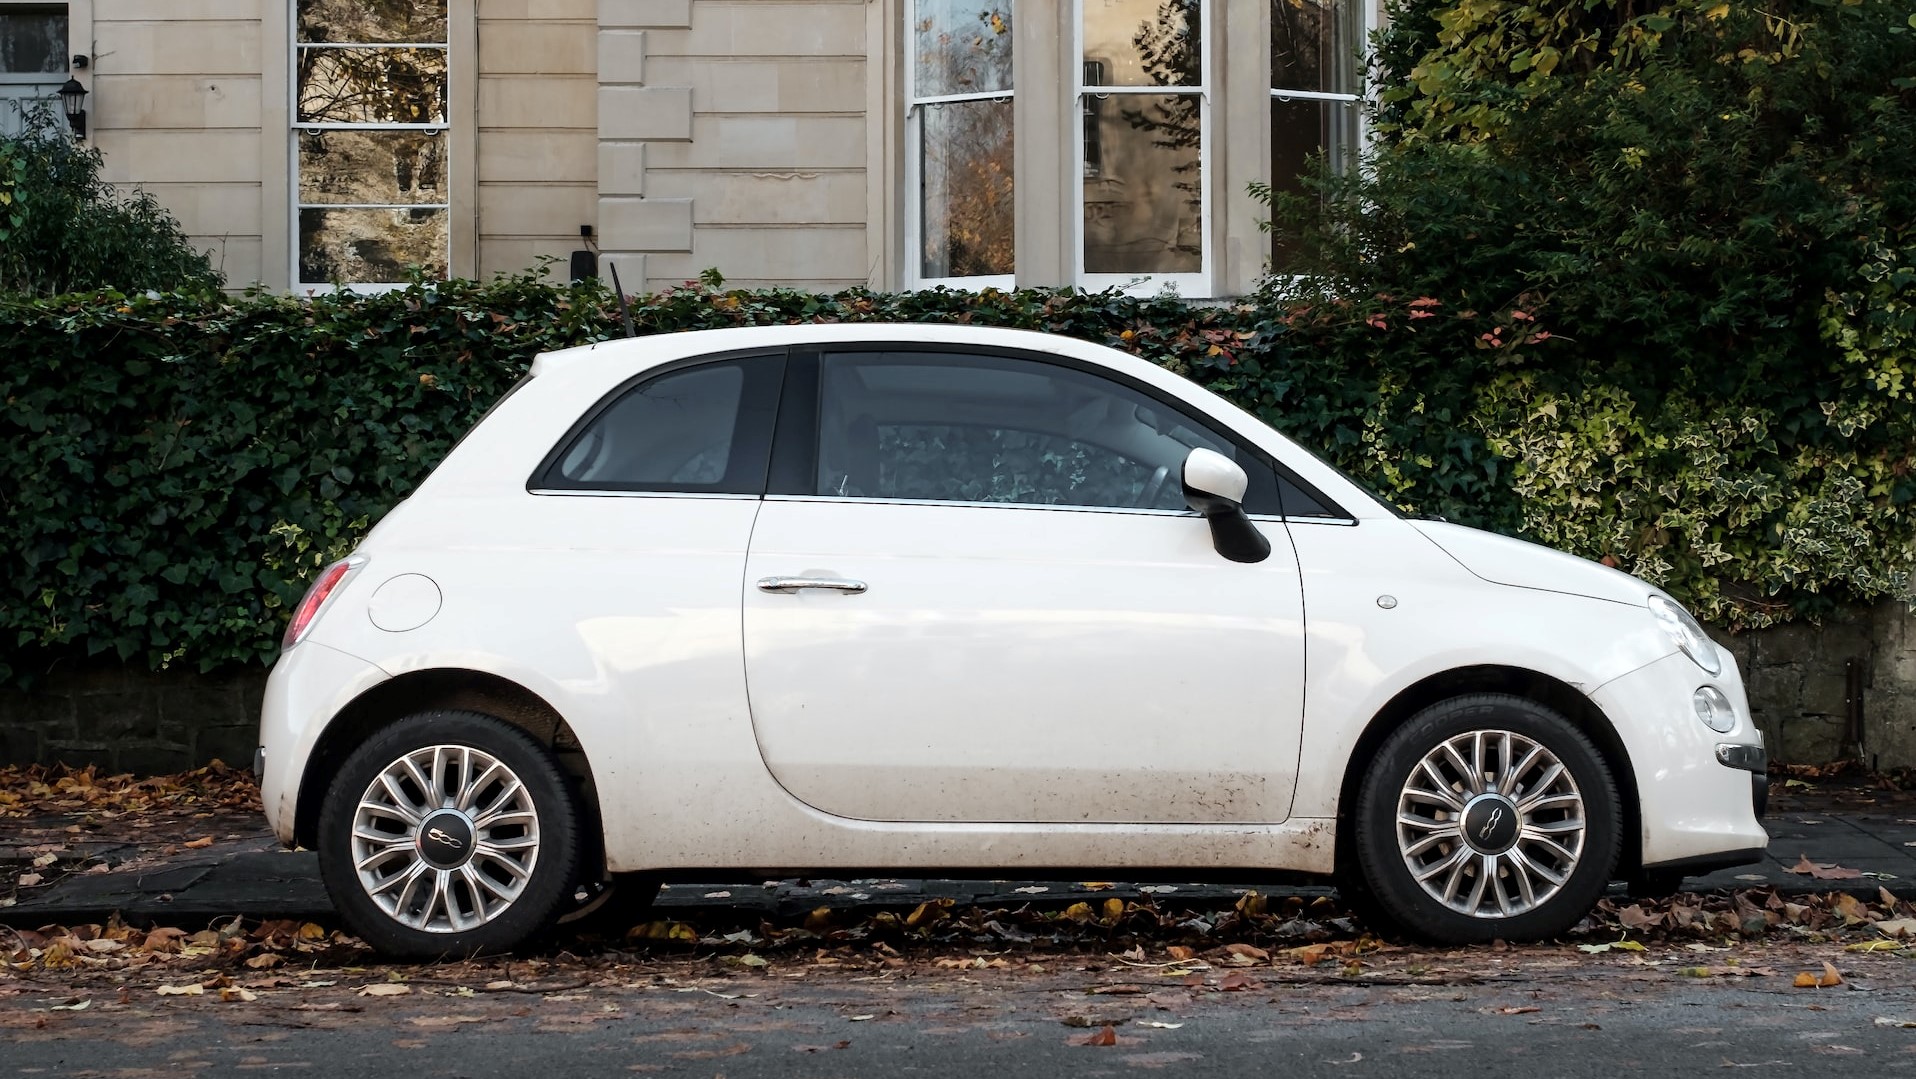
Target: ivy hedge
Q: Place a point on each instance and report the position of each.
(181, 463)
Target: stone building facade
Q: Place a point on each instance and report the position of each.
(807, 143)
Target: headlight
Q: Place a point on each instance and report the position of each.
(1684, 632)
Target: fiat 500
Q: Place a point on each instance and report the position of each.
(862, 599)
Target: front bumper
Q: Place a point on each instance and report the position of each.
(1694, 809)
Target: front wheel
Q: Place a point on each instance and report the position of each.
(1487, 817)
(449, 833)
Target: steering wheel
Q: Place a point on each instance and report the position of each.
(1153, 487)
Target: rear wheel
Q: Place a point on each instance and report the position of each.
(1487, 817)
(611, 906)
(449, 833)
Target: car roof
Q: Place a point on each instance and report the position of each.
(638, 353)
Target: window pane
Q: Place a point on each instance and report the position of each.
(966, 207)
(672, 432)
(1303, 129)
(1143, 42)
(372, 86)
(372, 21)
(33, 42)
(366, 247)
(1144, 209)
(1314, 45)
(1300, 130)
(988, 429)
(962, 47)
(372, 166)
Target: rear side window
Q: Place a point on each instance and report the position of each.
(700, 429)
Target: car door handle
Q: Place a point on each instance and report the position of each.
(793, 584)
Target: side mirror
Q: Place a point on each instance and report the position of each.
(1214, 486)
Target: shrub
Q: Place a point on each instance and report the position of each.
(183, 463)
(64, 229)
(1703, 210)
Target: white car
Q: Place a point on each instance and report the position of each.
(854, 599)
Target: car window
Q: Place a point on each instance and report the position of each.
(978, 428)
(705, 428)
(1299, 502)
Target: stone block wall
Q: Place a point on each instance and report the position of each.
(122, 719)
(1799, 684)
(146, 722)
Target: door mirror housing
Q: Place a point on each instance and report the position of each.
(1214, 486)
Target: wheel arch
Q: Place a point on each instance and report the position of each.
(452, 689)
(1543, 689)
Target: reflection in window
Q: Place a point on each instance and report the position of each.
(1143, 93)
(370, 141)
(960, 121)
(671, 433)
(1315, 83)
(33, 39)
(990, 429)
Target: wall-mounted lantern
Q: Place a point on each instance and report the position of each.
(73, 102)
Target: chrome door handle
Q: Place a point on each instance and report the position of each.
(793, 584)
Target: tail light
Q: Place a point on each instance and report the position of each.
(315, 599)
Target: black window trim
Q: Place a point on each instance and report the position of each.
(542, 480)
(793, 473)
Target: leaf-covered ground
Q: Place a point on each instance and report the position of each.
(1152, 944)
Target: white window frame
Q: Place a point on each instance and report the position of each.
(443, 126)
(20, 86)
(915, 107)
(1191, 285)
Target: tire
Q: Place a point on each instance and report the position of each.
(608, 908)
(496, 862)
(1546, 838)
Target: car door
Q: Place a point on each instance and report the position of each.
(977, 597)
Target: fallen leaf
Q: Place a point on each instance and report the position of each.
(1105, 1035)
(1897, 927)
(1159, 1026)
(1249, 953)
(28, 880)
(1811, 980)
(234, 994)
(441, 1022)
(193, 990)
(199, 844)
(1524, 1010)
(45, 860)
(862, 1018)
(1851, 909)
(1180, 953)
(1823, 870)
(75, 1004)
(385, 989)
(1599, 949)
(1886, 1021)
(1635, 917)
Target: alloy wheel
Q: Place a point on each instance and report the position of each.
(445, 838)
(1491, 824)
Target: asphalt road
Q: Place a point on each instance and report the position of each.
(1584, 1024)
